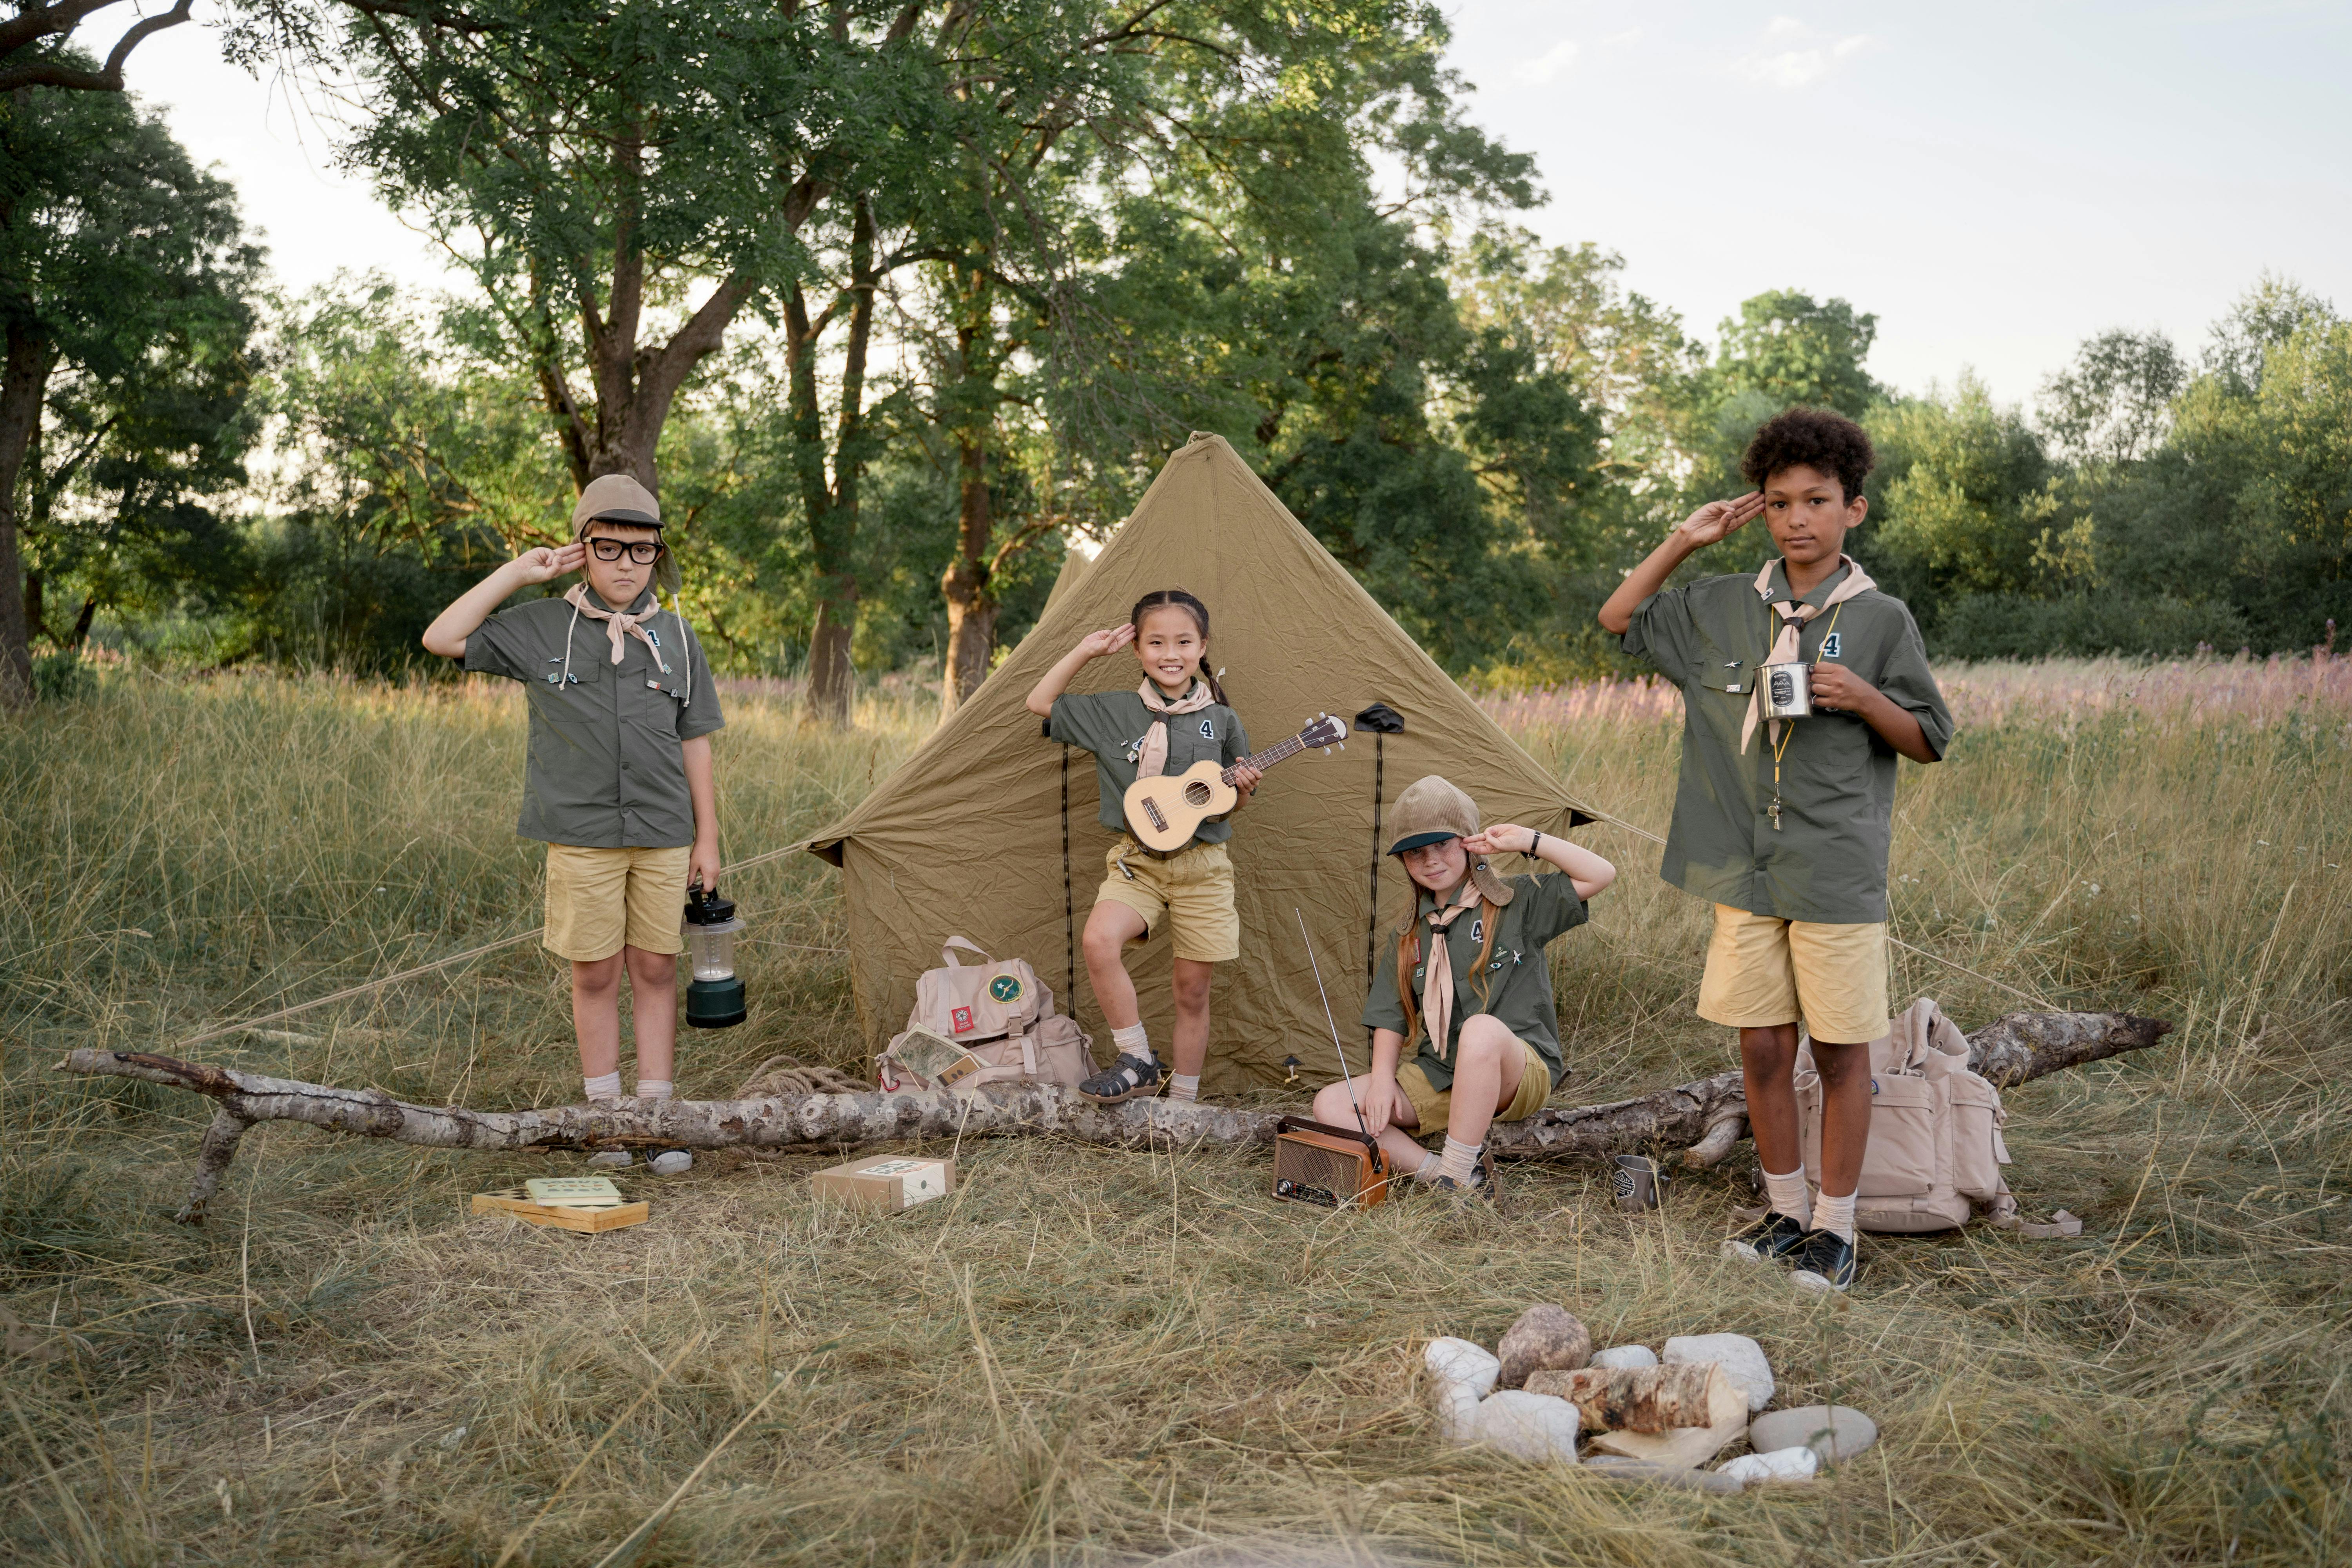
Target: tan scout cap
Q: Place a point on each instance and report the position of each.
(1431, 811)
(617, 498)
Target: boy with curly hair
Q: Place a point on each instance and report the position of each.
(1784, 824)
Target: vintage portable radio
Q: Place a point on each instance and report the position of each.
(1316, 1164)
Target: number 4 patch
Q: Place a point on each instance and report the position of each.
(1208, 731)
(1830, 645)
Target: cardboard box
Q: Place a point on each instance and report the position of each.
(589, 1218)
(890, 1184)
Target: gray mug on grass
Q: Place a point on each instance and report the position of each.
(1639, 1182)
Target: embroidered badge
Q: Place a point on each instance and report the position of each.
(1830, 644)
(1478, 929)
(1208, 731)
(960, 1021)
(1005, 988)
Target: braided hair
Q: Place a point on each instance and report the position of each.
(1164, 598)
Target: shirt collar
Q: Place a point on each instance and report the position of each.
(1821, 591)
(1427, 902)
(647, 603)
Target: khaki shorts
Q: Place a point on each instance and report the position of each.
(1436, 1106)
(1193, 889)
(599, 901)
(1761, 970)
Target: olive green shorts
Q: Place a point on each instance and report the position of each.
(1434, 1106)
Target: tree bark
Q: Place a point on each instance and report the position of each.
(831, 508)
(24, 383)
(2019, 1047)
(966, 585)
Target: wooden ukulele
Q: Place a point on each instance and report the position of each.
(1163, 812)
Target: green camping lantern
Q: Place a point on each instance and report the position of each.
(714, 998)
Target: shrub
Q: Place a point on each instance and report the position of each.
(2012, 626)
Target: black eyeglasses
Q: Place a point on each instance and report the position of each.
(610, 550)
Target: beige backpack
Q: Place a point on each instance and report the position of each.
(1000, 1014)
(1935, 1129)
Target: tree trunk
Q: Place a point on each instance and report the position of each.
(972, 601)
(24, 380)
(2021, 1047)
(833, 509)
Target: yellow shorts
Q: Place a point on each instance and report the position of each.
(1194, 887)
(1436, 1106)
(1761, 970)
(600, 900)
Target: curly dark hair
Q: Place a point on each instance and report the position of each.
(1815, 438)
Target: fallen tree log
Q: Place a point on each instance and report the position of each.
(1709, 1114)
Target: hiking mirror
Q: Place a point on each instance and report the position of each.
(714, 998)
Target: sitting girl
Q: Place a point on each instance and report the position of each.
(1496, 1054)
(1176, 718)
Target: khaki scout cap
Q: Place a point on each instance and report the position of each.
(1432, 811)
(617, 498)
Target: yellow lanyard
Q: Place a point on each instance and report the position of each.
(1788, 732)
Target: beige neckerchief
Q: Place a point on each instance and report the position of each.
(1787, 645)
(619, 624)
(1151, 756)
(1437, 968)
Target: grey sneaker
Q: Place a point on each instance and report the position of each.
(1825, 1262)
(671, 1162)
(1770, 1240)
(616, 1158)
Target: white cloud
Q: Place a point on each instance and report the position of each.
(1794, 56)
(1551, 64)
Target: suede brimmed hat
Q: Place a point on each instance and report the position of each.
(617, 498)
(1432, 811)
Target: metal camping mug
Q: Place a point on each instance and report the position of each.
(1787, 690)
(1639, 1182)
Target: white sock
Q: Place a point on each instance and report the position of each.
(1184, 1086)
(1458, 1161)
(1132, 1042)
(604, 1086)
(653, 1089)
(1430, 1167)
(1835, 1214)
(1789, 1196)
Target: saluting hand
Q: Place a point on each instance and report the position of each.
(1110, 639)
(1503, 838)
(1718, 519)
(545, 564)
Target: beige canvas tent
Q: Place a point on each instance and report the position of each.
(968, 837)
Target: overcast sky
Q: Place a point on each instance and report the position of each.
(1995, 181)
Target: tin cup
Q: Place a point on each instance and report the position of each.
(1639, 1182)
(1787, 690)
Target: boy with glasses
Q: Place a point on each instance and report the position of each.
(617, 778)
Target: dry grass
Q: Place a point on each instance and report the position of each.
(1087, 1356)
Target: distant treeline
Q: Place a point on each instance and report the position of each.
(894, 303)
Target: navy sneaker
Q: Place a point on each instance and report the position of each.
(1768, 1240)
(1823, 1262)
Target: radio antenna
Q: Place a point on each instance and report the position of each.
(1361, 1125)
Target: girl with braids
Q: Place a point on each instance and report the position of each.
(1466, 979)
(1178, 716)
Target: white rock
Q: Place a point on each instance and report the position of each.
(1541, 1427)
(1457, 1411)
(1624, 1355)
(1796, 1464)
(1458, 1360)
(1742, 1360)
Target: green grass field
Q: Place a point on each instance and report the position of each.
(1087, 1356)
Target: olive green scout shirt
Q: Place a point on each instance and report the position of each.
(604, 771)
(1827, 862)
(1112, 724)
(1516, 986)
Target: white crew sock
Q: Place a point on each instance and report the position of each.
(1430, 1167)
(1184, 1086)
(604, 1086)
(1789, 1196)
(1835, 1214)
(653, 1089)
(1132, 1041)
(1458, 1161)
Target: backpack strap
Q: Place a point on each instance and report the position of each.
(947, 953)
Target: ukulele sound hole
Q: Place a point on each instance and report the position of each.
(1196, 793)
(1151, 810)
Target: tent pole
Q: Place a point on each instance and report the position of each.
(1070, 906)
(1372, 916)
